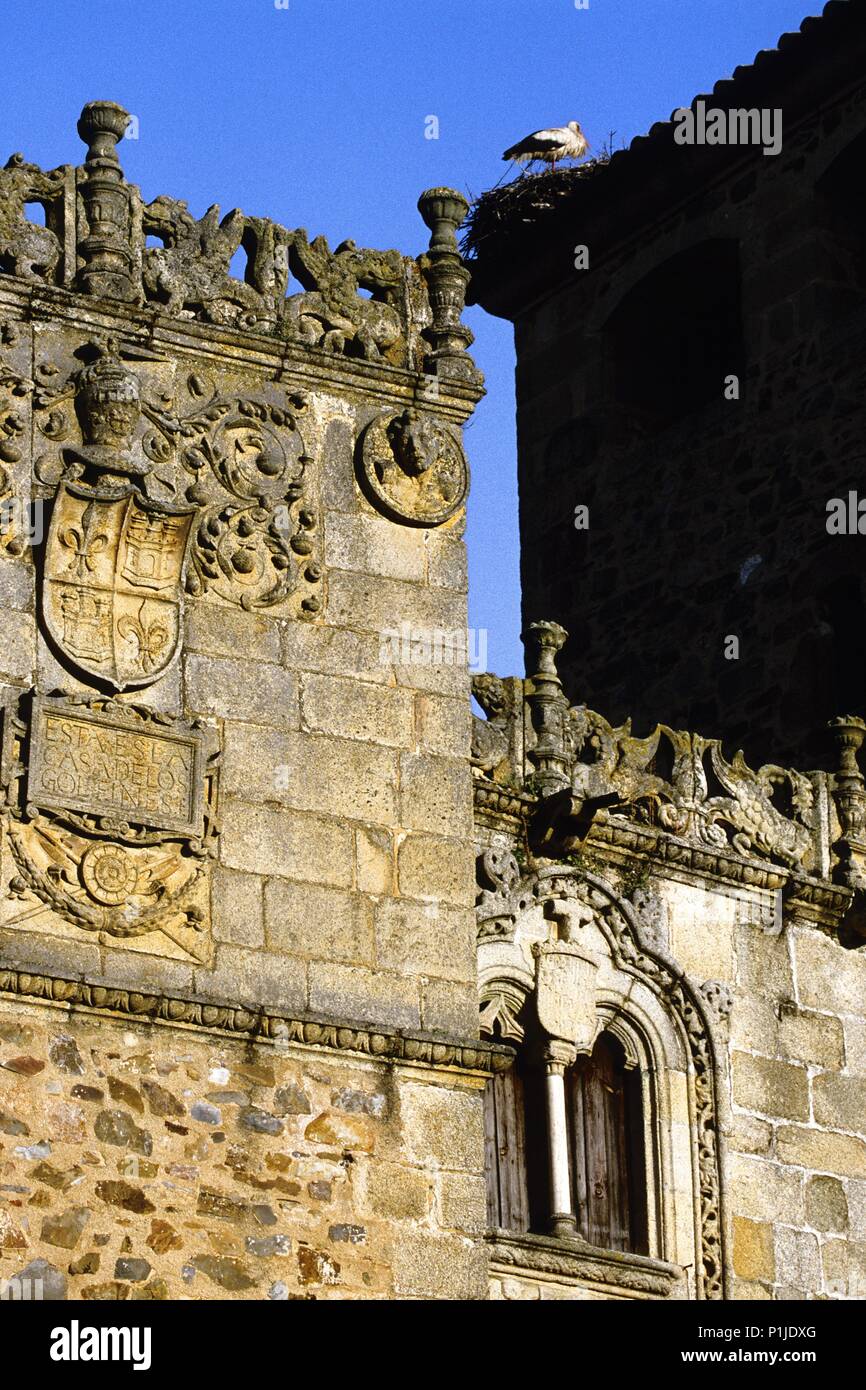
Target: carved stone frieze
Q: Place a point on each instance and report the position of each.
(573, 783)
(109, 821)
(413, 468)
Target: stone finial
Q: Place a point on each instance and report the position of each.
(100, 125)
(849, 793)
(107, 249)
(547, 704)
(443, 209)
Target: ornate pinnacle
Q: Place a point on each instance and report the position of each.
(443, 209)
(547, 705)
(100, 125)
(849, 793)
(107, 249)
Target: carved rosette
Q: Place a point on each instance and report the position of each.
(109, 814)
(413, 468)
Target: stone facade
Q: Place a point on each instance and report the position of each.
(246, 811)
(238, 1015)
(719, 939)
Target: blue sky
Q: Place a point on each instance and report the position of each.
(314, 113)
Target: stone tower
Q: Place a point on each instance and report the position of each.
(706, 501)
(239, 1050)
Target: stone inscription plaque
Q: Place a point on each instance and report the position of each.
(102, 764)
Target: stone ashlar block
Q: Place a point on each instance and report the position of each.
(797, 1258)
(246, 690)
(334, 651)
(429, 939)
(829, 977)
(223, 631)
(763, 964)
(435, 794)
(822, 1150)
(462, 1202)
(812, 1037)
(255, 979)
(450, 1006)
(436, 869)
(393, 1191)
(351, 992)
(287, 844)
(353, 709)
(443, 725)
(770, 1087)
(763, 1190)
(377, 604)
(439, 1266)
(311, 772)
(446, 563)
(375, 862)
(754, 1256)
(374, 546)
(318, 923)
(826, 1204)
(840, 1101)
(237, 907)
(443, 1126)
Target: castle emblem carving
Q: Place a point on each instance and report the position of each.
(111, 599)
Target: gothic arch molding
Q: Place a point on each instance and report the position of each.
(676, 1021)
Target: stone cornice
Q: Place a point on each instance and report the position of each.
(385, 1044)
(576, 1259)
(309, 367)
(620, 841)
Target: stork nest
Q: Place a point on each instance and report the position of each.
(524, 201)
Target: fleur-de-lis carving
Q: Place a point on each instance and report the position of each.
(84, 543)
(150, 638)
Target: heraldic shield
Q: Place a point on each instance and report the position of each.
(112, 587)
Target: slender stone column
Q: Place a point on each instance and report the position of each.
(557, 1056)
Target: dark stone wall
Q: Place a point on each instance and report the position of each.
(708, 516)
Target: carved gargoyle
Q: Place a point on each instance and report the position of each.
(332, 314)
(756, 822)
(491, 744)
(191, 271)
(29, 250)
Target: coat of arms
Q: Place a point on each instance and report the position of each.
(114, 558)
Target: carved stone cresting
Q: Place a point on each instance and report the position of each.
(109, 818)
(570, 900)
(413, 468)
(354, 302)
(573, 783)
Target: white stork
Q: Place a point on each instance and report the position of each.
(547, 146)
